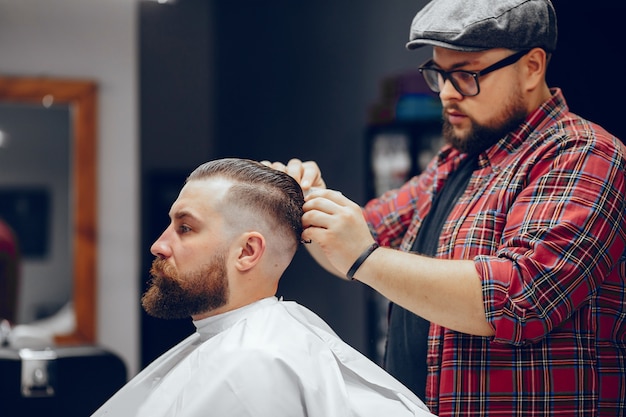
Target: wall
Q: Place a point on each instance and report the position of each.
(176, 80)
(285, 78)
(588, 59)
(296, 79)
(94, 40)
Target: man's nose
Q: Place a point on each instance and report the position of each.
(161, 248)
(448, 91)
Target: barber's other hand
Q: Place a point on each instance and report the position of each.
(307, 174)
(336, 224)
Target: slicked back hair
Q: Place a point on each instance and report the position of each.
(274, 195)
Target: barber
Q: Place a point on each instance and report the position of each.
(505, 260)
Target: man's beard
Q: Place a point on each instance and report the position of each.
(174, 296)
(481, 137)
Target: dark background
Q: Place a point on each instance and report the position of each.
(278, 79)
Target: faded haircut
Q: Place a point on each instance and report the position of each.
(275, 196)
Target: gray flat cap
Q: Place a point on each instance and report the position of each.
(477, 25)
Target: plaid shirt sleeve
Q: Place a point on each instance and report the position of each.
(564, 235)
(390, 217)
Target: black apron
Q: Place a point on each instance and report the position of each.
(407, 337)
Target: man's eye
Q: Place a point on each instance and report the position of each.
(184, 229)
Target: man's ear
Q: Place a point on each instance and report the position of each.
(250, 251)
(536, 64)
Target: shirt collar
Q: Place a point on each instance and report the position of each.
(537, 121)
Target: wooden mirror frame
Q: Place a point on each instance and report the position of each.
(81, 97)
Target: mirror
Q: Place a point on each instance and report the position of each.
(34, 204)
(80, 97)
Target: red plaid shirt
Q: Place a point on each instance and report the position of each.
(544, 221)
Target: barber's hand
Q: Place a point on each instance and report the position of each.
(337, 225)
(307, 174)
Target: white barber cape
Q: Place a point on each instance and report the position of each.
(268, 359)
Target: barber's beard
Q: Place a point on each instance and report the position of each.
(482, 136)
(174, 296)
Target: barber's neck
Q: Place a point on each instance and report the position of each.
(537, 97)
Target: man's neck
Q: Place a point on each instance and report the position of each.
(537, 98)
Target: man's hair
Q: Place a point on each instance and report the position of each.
(273, 196)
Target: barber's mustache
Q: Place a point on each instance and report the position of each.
(452, 106)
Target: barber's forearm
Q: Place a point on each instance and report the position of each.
(446, 292)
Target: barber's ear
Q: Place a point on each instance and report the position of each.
(536, 66)
(251, 249)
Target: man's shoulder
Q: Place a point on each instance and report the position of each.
(574, 127)
(572, 136)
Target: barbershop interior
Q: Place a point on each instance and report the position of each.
(107, 106)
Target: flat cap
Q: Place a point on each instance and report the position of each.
(477, 25)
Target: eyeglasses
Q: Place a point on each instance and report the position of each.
(465, 82)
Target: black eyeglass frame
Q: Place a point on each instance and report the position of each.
(445, 75)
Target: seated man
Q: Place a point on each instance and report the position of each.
(234, 229)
